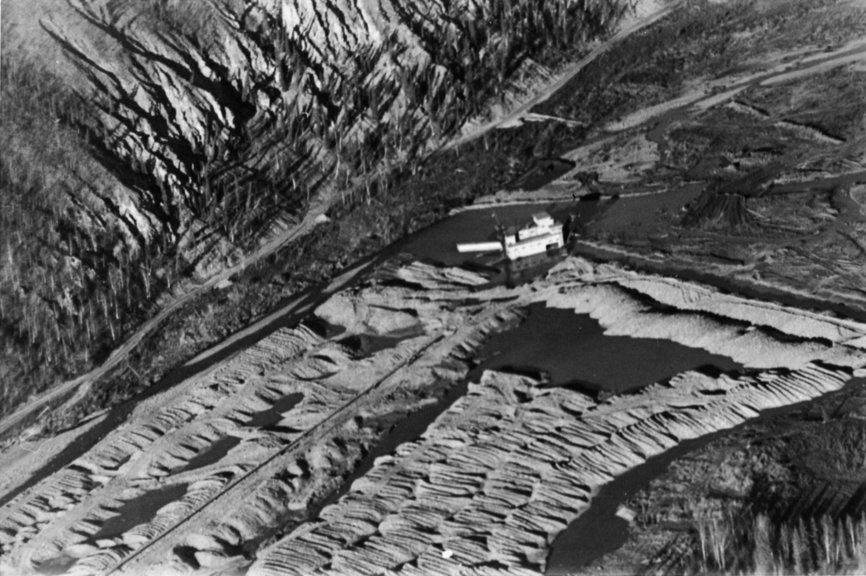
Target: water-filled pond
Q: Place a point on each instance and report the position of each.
(574, 352)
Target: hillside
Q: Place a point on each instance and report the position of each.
(149, 147)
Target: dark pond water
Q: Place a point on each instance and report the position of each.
(369, 344)
(573, 350)
(599, 531)
(574, 353)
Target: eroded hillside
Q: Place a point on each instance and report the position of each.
(147, 144)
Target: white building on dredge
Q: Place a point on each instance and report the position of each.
(544, 234)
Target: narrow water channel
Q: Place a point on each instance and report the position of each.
(599, 531)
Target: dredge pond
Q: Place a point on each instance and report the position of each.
(574, 352)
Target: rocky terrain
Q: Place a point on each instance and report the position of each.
(364, 407)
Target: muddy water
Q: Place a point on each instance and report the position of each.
(574, 352)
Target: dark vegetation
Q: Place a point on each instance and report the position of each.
(807, 515)
(76, 273)
(750, 543)
(783, 494)
(700, 39)
(707, 40)
(178, 157)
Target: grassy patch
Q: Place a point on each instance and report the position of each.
(833, 102)
(702, 39)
